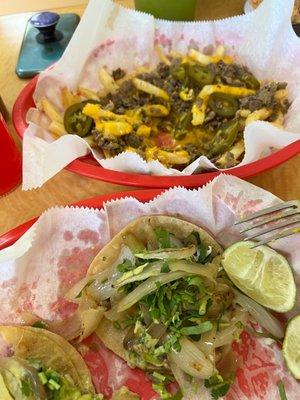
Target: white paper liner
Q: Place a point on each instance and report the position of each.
(55, 253)
(112, 36)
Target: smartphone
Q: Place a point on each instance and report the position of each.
(35, 57)
(297, 29)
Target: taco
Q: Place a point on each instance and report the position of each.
(147, 233)
(168, 307)
(39, 365)
(159, 281)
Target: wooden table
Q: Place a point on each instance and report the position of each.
(66, 187)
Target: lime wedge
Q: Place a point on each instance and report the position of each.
(291, 346)
(262, 274)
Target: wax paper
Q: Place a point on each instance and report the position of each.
(111, 36)
(55, 253)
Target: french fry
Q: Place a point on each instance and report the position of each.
(232, 90)
(88, 93)
(236, 151)
(198, 111)
(150, 89)
(163, 58)
(167, 157)
(141, 70)
(90, 140)
(137, 71)
(68, 98)
(279, 120)
(281, 94)
(107, 81)
(244, 113)
(258, 115)
(199, 57)
(219, 51)
(51, 111)
(205, 60)
(176, 54)
(57, 128)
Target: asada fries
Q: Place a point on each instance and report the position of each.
(189, 105)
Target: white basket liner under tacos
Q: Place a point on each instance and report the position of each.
(112, 36)
(40, 267)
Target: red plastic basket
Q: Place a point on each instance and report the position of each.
(87, 166)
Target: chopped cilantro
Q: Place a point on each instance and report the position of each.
(26, 387)
(53, 385)
(281, 390)
(193, 238)
(158, 285)
(125, 266)
(197, 329)
(155, 314)
(158, 377)
(162, 391)
(202, 253)
(178, 395)
(204, 305)
(163, 238)
(129, 321)
(165, 268)
(194, 280)
(43, 378)
(218, 386)
(40, 324)
(239, 324)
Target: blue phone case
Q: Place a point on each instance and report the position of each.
(35, 57)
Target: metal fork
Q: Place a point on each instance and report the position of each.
(282, 219)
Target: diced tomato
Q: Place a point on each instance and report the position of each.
(165, 140)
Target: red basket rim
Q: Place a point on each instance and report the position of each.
(82, 167)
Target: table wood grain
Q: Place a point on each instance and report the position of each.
(66, 187)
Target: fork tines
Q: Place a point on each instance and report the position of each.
(275, 218)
